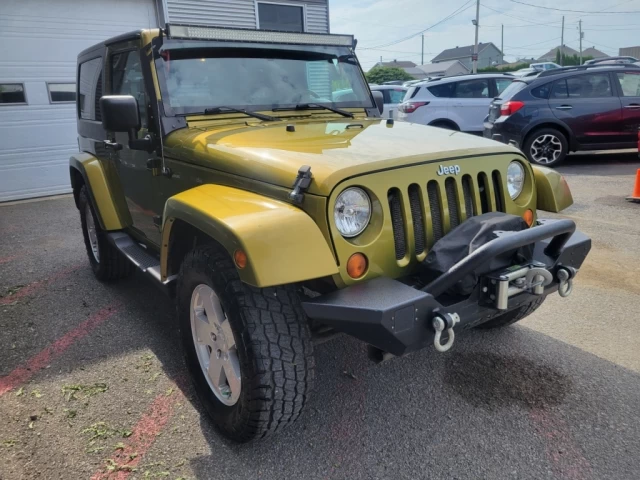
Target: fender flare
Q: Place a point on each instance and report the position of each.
(282, 243)
(553, 193)
(100, 193)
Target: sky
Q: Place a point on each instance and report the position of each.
(529, 31)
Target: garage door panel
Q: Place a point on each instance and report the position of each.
(40, 42)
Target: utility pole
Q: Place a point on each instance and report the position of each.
(580, 27)
(474, 58)
(502, 46)
(422, 56)
(562, 44)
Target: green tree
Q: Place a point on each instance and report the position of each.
(379, 75)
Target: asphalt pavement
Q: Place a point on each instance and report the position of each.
(92, 382)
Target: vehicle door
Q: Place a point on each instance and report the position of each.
(392, 98)
(629, 91)
(124, 77)
(588, 105)
(471, 103)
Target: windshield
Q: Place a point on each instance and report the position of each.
(194, 80)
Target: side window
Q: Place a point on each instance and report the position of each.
(542, 91)
(90, 89)
(396, 95)
(629, 84)
(126, 79)
(502, 83)
(473, 89)
(559, 89)
(443, 90)
(595, 85)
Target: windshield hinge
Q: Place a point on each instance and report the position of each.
(300, 185)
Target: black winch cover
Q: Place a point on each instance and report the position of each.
(465, 239)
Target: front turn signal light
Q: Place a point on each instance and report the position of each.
(240, 258)
(528, 217)
(357, 265)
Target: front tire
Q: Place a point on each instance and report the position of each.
(248, 349)
(547, 146)
(513, 316)
(106, 261)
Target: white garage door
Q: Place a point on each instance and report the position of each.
(39, 43)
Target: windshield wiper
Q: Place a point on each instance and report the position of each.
(312, 106)
(267, 118)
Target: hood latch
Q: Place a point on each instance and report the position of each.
(300, 185)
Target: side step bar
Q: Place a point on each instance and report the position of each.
(146, 262)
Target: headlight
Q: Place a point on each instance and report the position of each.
(515, 179)
(352, 211)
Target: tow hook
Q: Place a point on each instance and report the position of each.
(565, 280)
(441, 323)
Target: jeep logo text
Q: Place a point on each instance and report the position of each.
(452, 170)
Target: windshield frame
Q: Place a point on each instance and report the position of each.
(212, 45)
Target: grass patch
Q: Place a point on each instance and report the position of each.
(103, 431)
(74, 392)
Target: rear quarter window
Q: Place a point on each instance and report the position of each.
(541, 91)
(515, 87)
(442, 90)
(412, 92)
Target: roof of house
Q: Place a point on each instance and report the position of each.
(461, 52)
(551, 54)
(396, 63)
(593, 52)
(440, 67)
(415, 72)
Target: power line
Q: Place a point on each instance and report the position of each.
(517, 18)
(572, 11)
(458, 11)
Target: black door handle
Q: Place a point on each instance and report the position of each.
(112, 145)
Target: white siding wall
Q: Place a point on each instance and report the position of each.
(226, 13)
(40, 41)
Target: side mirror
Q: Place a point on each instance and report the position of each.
(379, 98)
(120, 113)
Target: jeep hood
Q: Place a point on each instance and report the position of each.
(335, 150)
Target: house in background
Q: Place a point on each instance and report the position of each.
(593, 52)
(630, 52)
(40, 42)
(551, 55)
(443, 69)
(488, 55)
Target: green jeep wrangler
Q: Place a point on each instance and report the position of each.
(250, 175)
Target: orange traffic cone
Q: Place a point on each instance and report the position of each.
(635, 196)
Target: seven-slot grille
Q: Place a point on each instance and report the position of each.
(439, 206)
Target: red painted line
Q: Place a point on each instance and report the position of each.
(8, 259)
(28, 369)
(144, 434)
(35, 286)
(565, 456)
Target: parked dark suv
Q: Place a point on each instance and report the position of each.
(563, 110)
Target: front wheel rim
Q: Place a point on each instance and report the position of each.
(92, 233)
(215, 345)
(546, 149)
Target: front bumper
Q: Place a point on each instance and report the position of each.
(398, 318)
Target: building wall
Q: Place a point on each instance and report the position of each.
(456, 69)
(630, 52)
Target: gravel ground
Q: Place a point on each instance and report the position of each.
(92, 378)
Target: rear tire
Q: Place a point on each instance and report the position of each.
(106, 261)
(513, 316)
(265, 337)
(547, 147)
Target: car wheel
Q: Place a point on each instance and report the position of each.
(106, 261)
(547, 146)
(513, 316)
(248, 349)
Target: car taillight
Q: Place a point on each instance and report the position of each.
(410, 107)
(509, 108)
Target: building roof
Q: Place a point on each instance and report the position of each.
(551, 54)
(461, 52)
(593, 52)
(396, 63)
(440, 68)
